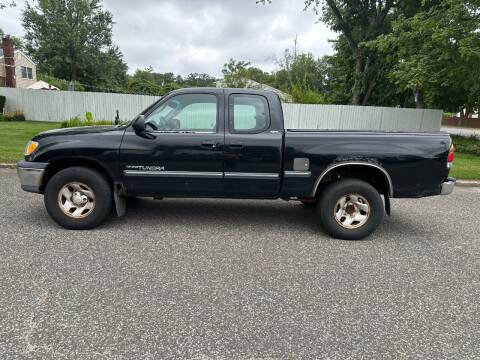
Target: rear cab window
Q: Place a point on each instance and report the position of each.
(248, 113)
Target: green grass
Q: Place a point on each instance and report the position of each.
(15, 135)
(466, 167)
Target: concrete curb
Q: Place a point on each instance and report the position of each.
(461, 183)
(8, 166)
(468, 183)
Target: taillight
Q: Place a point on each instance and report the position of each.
(451, 155)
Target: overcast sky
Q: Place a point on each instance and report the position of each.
(184, 36)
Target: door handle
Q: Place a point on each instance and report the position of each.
(209, 144)
(236, 145)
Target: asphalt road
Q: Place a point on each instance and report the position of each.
(213, 279)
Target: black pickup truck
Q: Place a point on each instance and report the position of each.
(231, 143)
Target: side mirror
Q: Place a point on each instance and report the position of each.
(139, 124)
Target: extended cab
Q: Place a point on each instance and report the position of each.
(231, 143)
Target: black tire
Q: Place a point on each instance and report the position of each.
(333, 193)
(91, 178)
(309, 204)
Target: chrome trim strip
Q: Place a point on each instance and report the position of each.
(362, 163)
(448, 186)
(257, 176)
(297, 174)
(186, 174)
(180, 132)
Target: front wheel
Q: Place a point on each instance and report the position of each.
(78, 198)
(350, 209)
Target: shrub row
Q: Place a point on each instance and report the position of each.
(466, 145)
(12, 116)
(77, 122)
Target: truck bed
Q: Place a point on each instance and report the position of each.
(417, 172)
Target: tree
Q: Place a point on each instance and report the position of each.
(149, 82)
(107, 72)
(359, 22)
(4, 4)
(72, 39)
(17, 42)
(235, 73)
(435, 54)
(199, 80)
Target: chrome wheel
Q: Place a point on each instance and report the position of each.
(76, 200)
(352, 211)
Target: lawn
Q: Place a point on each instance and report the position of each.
(15, 135)
(466, 167)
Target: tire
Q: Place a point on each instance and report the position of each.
(309, 204)
(350, 209)
(82, 192)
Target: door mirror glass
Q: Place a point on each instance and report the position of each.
(139, 124)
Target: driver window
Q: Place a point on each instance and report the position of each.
(188, 112)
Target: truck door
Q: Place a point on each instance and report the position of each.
(181, 151)
(253, 148)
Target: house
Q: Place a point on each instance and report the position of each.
(16, 68)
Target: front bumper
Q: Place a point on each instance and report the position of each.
(31, 175)
(448, 186)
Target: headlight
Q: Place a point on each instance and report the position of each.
(30, 148)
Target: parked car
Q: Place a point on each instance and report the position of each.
(231, 143)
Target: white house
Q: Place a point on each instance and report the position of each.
(16, 68)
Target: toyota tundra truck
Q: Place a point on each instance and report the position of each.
(232, 143)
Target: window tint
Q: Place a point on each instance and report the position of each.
(189, 112)
(250, 113)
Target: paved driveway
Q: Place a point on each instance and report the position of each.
(211, 279)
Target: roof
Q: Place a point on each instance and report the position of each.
(20, 52)
(42, 85)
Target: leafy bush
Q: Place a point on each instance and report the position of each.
(89, 116)
(1, 117)
(13, 116)
(77, 122)
(466, 145)
(303, 95)
(3, 99)
(59, 83)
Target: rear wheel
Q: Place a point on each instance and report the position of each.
(78, 198)
(350, 209)
(309, 203)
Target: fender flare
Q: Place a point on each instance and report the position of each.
(356, 163)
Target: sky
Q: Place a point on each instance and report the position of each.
(186, 36)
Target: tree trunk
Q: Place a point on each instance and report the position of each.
(419, 104)
(369, 92)
(359, 73)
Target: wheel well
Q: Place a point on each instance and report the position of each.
(374, 175)
(61, 164)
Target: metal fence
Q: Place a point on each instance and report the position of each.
(44, 105)
(49, 105)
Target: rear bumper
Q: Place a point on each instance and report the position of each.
(448, 186)
(31, 175)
